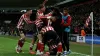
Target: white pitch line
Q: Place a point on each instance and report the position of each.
(80, 54)
(47, 47)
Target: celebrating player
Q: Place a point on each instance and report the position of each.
(39, 21)
(51, 38)
(23, 21)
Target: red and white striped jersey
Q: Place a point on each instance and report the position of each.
(41, 16)
(38, 22)
(23, 19)
(47, 28)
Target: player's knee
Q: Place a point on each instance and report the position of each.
(59, 43)
(22, 36)
(39, 37)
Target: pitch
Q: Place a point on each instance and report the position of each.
(8, 43)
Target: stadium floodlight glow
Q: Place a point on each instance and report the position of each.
(3, 10)
(7, 21)
(51, 6)
(63, 2)
(23, 10)
(47, 6)
(35, 9)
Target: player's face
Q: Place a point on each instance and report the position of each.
(30, 12)
(43, 9)
(53, 19)
(65, 12)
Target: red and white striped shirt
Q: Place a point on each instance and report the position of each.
(38, 22)
(47, 28)
(23, 18)
(40, 16)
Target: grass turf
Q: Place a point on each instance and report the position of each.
(8, 43)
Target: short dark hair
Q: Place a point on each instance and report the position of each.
(28, 10)
(40, 6)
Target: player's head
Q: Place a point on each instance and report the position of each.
(29, 11)
(42, 8)
(56, 14)
(56, 11)
(65, 11)
(53, 18)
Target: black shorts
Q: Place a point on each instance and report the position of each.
(51, 39)
(51, 35)
(30, 27)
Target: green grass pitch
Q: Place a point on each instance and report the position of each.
(8, 43)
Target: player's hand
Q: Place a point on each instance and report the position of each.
(62, 22)
(49, 17)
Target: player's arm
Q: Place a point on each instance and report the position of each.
(49, 14)
(42, 31)
(44, 2)
(68, 22)
(27, 21)
(45, 17)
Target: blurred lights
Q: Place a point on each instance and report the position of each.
(23, 10)
(7, 22)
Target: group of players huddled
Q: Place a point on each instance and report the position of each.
(51, 29)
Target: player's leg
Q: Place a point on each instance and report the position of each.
(20, 41)
(63, 42)
(32, 44)
(34, 30)
(59, 48)
(66, 42)
(53, 40)
(40, 45)
(52, 47)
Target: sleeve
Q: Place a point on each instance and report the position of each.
(43, 17)
(40, 15)
(42, 30)
(68, 21)
(48, 16)
(27, 20)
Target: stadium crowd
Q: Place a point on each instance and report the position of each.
(81, 12)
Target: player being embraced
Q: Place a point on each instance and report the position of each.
(23, 21)
(39, 23)
(50, 37)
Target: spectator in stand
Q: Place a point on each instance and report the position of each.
(83, 32)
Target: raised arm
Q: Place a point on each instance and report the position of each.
(44, 2)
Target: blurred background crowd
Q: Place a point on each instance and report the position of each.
(79, 12)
